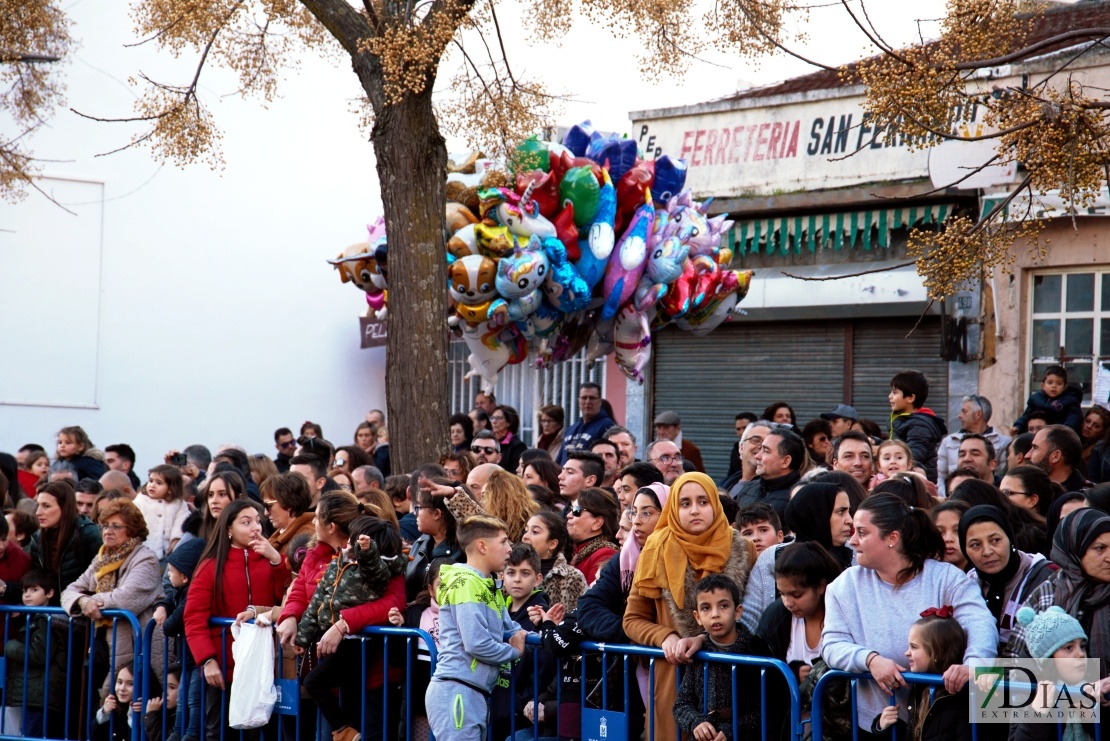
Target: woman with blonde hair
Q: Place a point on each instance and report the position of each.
(381, 504)
(505, 497)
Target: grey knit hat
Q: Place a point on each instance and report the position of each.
(1046, 632)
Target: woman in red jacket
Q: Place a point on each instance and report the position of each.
(334, 513)
(236, 576)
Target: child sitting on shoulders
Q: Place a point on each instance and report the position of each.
(936, 642)
(1060, 403)
(717, 609)
(164, 509)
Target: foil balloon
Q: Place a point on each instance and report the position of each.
(458, 216)
(632, 342)
(483, 239)
(626, 264)
(720, 308)
(669, 180)
(631, 188)
(578, 138)
(567, 232)
(364, 265)
(664, 265)
(564, 287)
(518, 212)
(596, 248)
(531, 154)
(519, 277)
(491, 349)
(472, 281)
(615, 152)
(564, 163)
(580, 188)
(544, 190)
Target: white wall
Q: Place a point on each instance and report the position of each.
(184, 306)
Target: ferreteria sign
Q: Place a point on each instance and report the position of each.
(767, 150)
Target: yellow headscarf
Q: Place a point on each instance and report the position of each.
(670, 548)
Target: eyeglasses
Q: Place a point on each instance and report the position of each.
(340, 462)
(269, 504)
(577, 510)
(642, 515)
(497, 418)
(288, 444)
(668, 459)
(1012, 493)
(114, 527)
(480, 449)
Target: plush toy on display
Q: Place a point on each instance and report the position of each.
(577, 245)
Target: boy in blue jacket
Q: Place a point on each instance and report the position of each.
(473, 621)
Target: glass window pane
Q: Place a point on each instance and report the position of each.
(1046, 338)
(1106, 291)
(1079, 374)
(1104, 338)
(1079, 335)
(1081, 292)
(1046, 293)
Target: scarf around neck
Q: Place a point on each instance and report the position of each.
(630, 551)
(106, 566)
(1075, 591)
(670, 549)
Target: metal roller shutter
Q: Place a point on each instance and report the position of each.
(745, 367)
(881, 349)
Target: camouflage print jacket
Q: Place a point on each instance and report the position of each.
(346, 584)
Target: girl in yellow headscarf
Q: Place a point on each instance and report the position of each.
(692, 540)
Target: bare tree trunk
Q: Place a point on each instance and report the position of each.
(412, 165)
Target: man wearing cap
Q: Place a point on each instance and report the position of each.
(668, 426)
(975, 413)
(842, 418)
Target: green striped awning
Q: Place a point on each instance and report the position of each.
(783, 233)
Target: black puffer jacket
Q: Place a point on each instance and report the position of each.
(922, 431)
(775, 492)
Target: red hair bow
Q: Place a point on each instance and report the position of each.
(941, 612)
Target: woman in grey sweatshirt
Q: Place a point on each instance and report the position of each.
(870, 607)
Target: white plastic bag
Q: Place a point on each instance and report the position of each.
(252, 692)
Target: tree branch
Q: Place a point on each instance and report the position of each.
(342, 21)
(1014, 56)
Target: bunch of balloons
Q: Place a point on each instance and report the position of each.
(582, 244)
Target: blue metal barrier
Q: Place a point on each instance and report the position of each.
(625, 656)
(930, 680)
(394, 641)
(74, 652)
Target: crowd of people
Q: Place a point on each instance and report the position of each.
(833, 544)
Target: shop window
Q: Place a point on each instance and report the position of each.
(1070, 326)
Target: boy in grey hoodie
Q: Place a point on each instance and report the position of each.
(473, 621)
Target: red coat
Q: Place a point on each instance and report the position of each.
(27, 481)
(13, 565)
(593, 562)
(248, 579)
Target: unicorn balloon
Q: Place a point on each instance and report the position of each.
(626, 264)
(517, 212)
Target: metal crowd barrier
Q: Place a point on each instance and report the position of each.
(930, 680)
(74, 717)
(398, 653)
(624, 656)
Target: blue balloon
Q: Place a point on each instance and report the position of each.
(670, 179)
(620, 153)
(578, 138)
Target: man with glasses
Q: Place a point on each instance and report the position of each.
(485, 448)
(778, 466)
(591, 425)
(286, 446)
(665, 455)
(668, 426)
(974, 416)
(750, 441)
